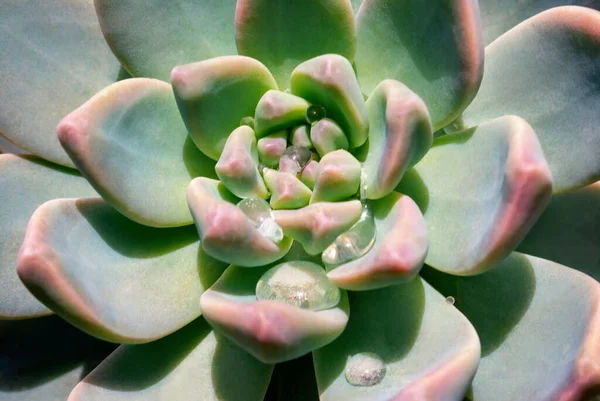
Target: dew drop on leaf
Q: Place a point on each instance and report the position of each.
(294, 159)
(260, 213)
(298, 283)
(365, 369)
(450, 300)
(315, 113)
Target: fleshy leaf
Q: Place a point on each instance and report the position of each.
(6, 146)
(568, 232)
(317, 225)
(150, 38)
(26, 183)
(300, 136)
(43, 359)
(48, 47)
(271, 331)
(309, 174)
(214, 95)
(191, 364)
(480, 191)
(287, 191)
(111, 277)
(538, 323)
(399, 136)
(278, 110)
(329, 81)
(326, 136)
(338, 177)
(430, 349)
(271, 148)
(225, 231)
(237, 167)
(284, 34)
(434, 47)
(561, 46)
(130, 143)
(499, 16)
(398, 252)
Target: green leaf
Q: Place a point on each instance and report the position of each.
(191, 364)
(54, 58)
(278, 110)
(433, 47)
(327, 136)
(43, 359)
(150, 38)
(111, 277)
(272, 331)
(561, 46)
(6, 146)
(398, 252)
(26, 183)
(499, 16)
(430, 349)
(538, 323)
(329, 81)
(130, 143)
(214, 95)
(568, 232)
(225, 231)
(400, 134)
(283, 34)
(287, 191)
(480, 191)
(337, 177)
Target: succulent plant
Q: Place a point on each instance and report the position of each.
(317, 199)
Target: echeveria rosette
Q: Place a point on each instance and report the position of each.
(129, 267)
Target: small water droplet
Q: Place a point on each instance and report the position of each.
(249, 121)
(315, 113)
(363, 186)
(352, 244)
(365, 369)
(299, 283)
(294, 159)
(260, 213)
(450, 300)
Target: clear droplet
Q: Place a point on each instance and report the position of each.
(294, 159)
(352, 244)
(365, 369)
(363, 186)
(260, 213)
(315, 113)
(299, 283)
(450, 300)
(249, 121)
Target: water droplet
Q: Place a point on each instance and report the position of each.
(363, 186)
(294, 159)
(365, 369)
(249, 121)
(260, 213)
(352, 244)
(315, 113)
(298, 283)
(450, 300)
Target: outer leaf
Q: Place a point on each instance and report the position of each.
(561, 47)
(130, 143)
(282, 34)
(538, 323)
(47, 48)
(191, 364)
(43, 359)
(399, 136)
(272, 331)
(430, 350)
(150, 37)
(568, 232)
(225, 231)
(480, 191)
(214, 95)
(398, 252)
(433, 47)
(26, 183)
(498, 16)
(6, 146)
(111, 277)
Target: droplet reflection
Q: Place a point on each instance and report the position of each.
(365, 369)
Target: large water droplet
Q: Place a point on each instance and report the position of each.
(298, 283)
(294, 159)
(365, 369)
(352, 244)
(315, 113)
(260, 213)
